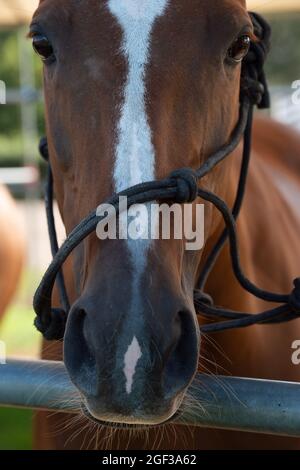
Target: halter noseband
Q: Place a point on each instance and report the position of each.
(182, 187)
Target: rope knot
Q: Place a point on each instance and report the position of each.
(54, 328)
(294, 300)
(187, 185)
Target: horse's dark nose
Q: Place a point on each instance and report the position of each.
(131, 372)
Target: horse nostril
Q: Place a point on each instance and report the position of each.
(78, 356)
(182, 362)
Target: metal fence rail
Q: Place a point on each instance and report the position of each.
(262, 406)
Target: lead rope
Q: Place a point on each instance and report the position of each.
(181, 187)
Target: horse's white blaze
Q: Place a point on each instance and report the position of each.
(135, 156)
(131, 359)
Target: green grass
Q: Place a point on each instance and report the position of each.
(15, 429)
(11, 150)
(18, 333)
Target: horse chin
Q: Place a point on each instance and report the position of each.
(132, 422)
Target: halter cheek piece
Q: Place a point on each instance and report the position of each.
(182, 187)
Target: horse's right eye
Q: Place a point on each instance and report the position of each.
(43, 47)
(239, 49)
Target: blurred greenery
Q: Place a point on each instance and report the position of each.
(10, 119)
(10, 115)
(283, 66)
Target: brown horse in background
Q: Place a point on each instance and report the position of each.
(135, 89)
(12, 248)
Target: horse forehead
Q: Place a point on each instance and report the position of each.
(143, 9)
(146, 10)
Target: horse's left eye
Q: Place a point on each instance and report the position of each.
(43, 47)
(239, 49)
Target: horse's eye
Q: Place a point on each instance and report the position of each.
(43, 47)
(239, 48)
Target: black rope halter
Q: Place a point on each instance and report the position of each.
(182, 187)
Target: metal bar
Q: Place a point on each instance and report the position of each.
(232, 403)
(37, 385)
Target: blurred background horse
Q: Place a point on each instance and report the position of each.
(12, 248)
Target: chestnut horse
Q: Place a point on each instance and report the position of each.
(135, 89)
(12, 248)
